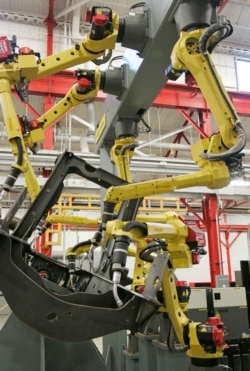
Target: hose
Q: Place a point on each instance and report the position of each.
(14, 170)
(116, 281)
(131, 147)
(138, 225)
(80, 244)
(223, 29)
(234, 150)
(19, 151)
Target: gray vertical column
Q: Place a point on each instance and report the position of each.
(113, 346)
(23, 349)
(170, 361)
(131, 354)
(147, 360)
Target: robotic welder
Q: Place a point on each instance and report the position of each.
(62, 301)
(21, 65)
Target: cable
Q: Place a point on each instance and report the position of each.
(234, 150)
(148, 128)
(104, 59)
(19, 150)
(118, 57)
(80, 244)
(138, 5)
(131, 147)
(223, 30)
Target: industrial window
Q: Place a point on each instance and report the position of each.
(243, 74)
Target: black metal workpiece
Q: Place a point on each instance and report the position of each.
(59, 313)
(9, 219)
(25, 274)
(69, 163)
(66, 164)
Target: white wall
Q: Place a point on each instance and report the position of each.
(226, 68)
(28, 35)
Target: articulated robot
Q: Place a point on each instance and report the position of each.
(75, 304)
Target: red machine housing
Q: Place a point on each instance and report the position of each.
(5, 48)
(196, 239)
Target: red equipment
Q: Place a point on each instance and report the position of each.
(5, 48)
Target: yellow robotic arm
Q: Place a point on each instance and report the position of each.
(218, 157)
(213, 175)
(102, 36)
(24, 67)
(192, 53)
(171, 251)
(85, 89)
(22, 138)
